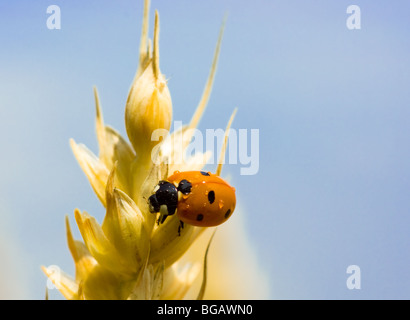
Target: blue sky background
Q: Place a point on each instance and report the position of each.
(332, 107)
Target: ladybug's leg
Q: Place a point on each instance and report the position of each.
(163, 214)
(181, 226)
(161, 218)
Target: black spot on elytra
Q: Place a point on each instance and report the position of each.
(211, 196)
(227, 214)
(204, 173)
(185, 186)
(199, 217)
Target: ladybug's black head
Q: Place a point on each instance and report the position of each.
(166, 194)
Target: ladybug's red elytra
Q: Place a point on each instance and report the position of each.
(198, 198)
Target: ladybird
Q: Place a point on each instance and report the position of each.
(198, 198)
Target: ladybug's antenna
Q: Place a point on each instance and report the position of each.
(225, 144)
